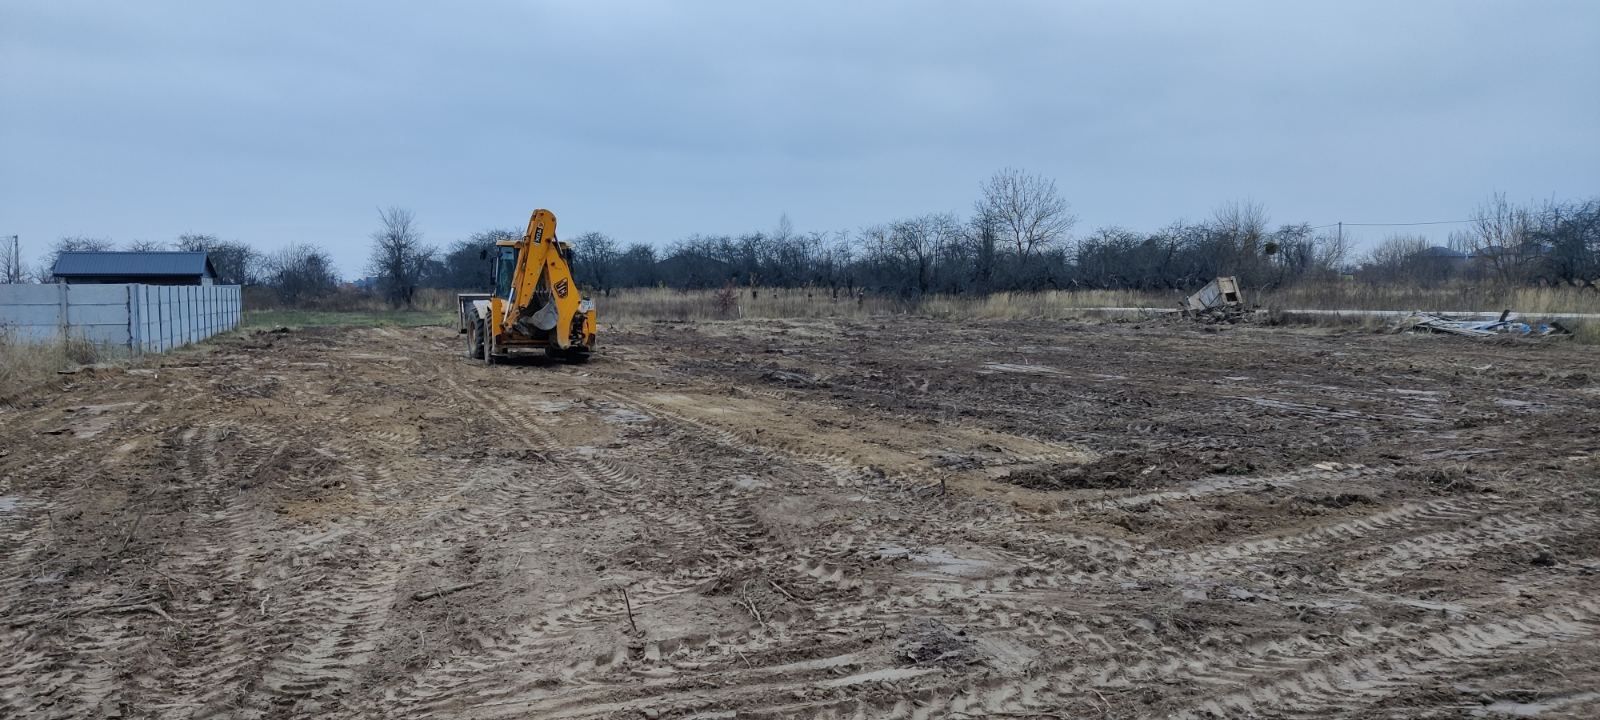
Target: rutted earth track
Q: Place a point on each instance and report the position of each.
(808, 519)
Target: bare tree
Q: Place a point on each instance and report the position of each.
(1397, 258)
(1568, 236)
(982, 245)
(465, 265)
(235, 261)
(1239, 230)
(597, 259)
(1025, 210)
(1497, 238)
(399, 258)
(147, 246)
(1244, 222)
(915, 242)
(1333, 251)
(785, 228)
(636, 266)
(299, 273)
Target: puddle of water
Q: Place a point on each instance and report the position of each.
(939, 561)
(7, 504)
(627, 417)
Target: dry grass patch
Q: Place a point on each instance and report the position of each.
(26, 364)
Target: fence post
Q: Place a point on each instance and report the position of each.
(133, 319)
(164, 318)
(62, 304)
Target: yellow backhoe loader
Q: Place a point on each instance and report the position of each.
(536, 305)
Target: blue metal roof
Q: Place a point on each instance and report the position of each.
(133, 264)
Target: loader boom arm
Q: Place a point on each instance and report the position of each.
(544, 278)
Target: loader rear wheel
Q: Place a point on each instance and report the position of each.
(474, 340)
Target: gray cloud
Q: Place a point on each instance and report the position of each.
(279, 122)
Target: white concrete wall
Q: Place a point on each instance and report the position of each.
(141, 318)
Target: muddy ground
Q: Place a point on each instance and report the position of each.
(810, 519)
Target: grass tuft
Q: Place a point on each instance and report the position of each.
(27, 364)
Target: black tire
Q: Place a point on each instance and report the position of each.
(474, 340)
(576, 356)
(488, 345)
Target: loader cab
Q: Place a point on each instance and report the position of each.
(503, 270)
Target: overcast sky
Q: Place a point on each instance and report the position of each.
(293, 121)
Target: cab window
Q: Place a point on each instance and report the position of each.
(505, 268)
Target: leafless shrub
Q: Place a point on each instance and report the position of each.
(399, 258)
(300, 274)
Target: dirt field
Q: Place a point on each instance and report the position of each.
(823, 519)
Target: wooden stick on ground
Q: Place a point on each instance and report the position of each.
(629, 606)
(751, 606)
(440, 592)
(779, 588)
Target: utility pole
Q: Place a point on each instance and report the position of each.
(13, 261)
(1341, 233)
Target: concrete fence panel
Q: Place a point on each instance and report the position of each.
(140, 318)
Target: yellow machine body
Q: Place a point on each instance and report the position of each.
(535, 303)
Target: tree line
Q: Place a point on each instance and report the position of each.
(1551, 243)
(1018, 237)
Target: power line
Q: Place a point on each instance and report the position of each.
(1430, 222)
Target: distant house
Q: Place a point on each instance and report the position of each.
(150, 268)
(1443, 257)
(1440, 251)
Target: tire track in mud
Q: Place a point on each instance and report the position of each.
(1149, 563)
(296, 639)
(57, 662)
(723, 519)
(1492, 531)
(300, 613)
(259, 649)
(1002, 594)
(1214, 485)
(822, 564)
(1373, 527)
(1307, 674)
(343, 616)
(1350, 683)
(616, 490)
(208, 659)
(21, 529)
(330, 635)
(1207, 560)
(461, 510)
(61, 663)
